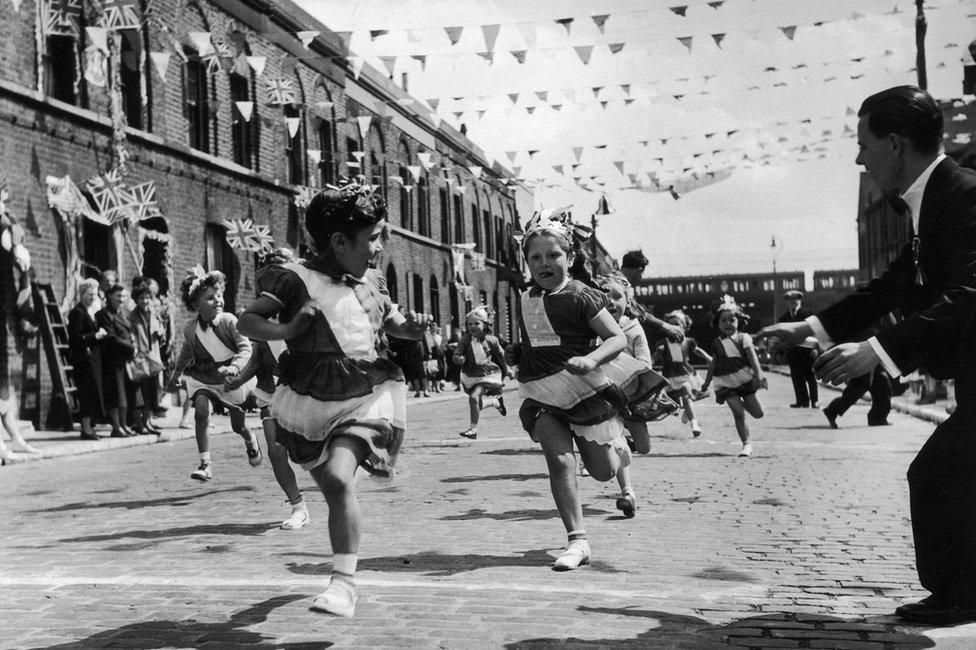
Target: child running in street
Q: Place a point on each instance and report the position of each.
(213, 350)
(483, 368)
(735, 368)
(340, 403)
(683, 381)
(263, 365)
(568, 398)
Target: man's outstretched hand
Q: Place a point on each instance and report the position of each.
(783, 336)
(844, 362)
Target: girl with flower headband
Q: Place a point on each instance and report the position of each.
(735, 368)
(483, 368)
(213, 350)
(683, 382)
(567, 397)
(340, 402)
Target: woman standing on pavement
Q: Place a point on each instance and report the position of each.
(83, 336)
(117, 348)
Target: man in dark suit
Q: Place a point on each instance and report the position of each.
(933, 283)
(801, 357)
(632, 265)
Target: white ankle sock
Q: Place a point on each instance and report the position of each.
(205, 457)
(345, 563)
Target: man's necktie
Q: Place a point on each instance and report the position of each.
(901, 207)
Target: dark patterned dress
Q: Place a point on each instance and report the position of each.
(732, 374)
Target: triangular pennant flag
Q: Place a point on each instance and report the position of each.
(556, 107)
(717, 4)
(475, 171)
(415, 172)
(257, 64)
(528, 33)
(578, 152)
(376, 33)
(565, 22)
(603, 105)
(481, 114)
(789, 31)
(596, 91)
(407, 188)
(246, 109)
(426, 159)
(306, 37)
(345, 37)
(160, 61)
(686, 41)
(293, 123)
(584, 52)
(514, 97)
(356, 62)
(315, 155)
(511, 155)
(433, 102)
(851, 111)
(558, 168)
(454, 33)
(619, 164)
(358, 155)
(240, 66)
(516, 171)
(679, 10)
(98, 37)
(487, 56)
(201, 42)
(615, 47)
(625, 88)
(600, 21)
(423, 61)
(718, 39)
(490, 32)
(519, 55)
(389, 62)
(542, 94)
(457, 115)
(364, 121)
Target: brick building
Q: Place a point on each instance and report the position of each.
(177, 102)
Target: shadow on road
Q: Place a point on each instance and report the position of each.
(519, 451)
(778, 630)
(182, 500)
(529, 514)
(195, 634)
(187, 531)
(495, 477)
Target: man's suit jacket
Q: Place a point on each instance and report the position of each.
(938, 330)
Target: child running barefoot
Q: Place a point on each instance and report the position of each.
(264, 366)
(683, 381)
(213, 350)
(618, 289)
(568, 397)
(735, 368)
(483, 368)
(340, 403)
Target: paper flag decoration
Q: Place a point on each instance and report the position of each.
(600, 21)
(62, 17)
(514, 97)
(246, 109)
(415, 172)
(240, 66)
(462, 189)
(303, 196)
(356, 64)
(98, 37)
(261, 238)
(454, 33)
(113, 199)
(490, 32)
(389, 62)
(511, 155)
(530, 109)
(160, 61)
(578, 152)
(584, 52)
(615, 47)
(238, 232)
(426, 159)
(257, 64)
(120, 14)
(306, 37)
(519, 55)
(789, 31)
(95, 66)
(202, 42)
(422, 58)
(475, 171)
(281, 92)
(686, 41)
(144, 201)
(376, 33)
(718, 39)
(487, 56)
(717, 4)
(292, 123)
(558, 168)
(407, 188)
(565, 22)
(363, 121)
(619, 164)
(680, 11)
(358, 155)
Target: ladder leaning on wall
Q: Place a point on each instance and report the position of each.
(54, 335)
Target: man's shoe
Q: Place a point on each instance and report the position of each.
(799, 406)
(89, 436)
(831, 418)
(936, 611)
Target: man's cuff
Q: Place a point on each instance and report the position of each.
(819, 333)
(886, 361)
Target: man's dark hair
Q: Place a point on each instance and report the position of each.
(633, 260)
(908, 111)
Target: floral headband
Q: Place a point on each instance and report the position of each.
(481, 312)
(613, 277)
(199, 275)
(351, 187)
(555, 221)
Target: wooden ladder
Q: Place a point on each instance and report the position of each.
(54, 334)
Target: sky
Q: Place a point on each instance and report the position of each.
(765, 97)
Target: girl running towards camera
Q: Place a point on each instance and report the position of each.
(212, 350)
(483, 368)
(567, 396)
(340, 403)
(683, 382)
(735, 368)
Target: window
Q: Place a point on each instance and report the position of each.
(219, 256)
(351, 162)
(97, 248)
(500, 241)
(445, 216)
(423, 207)
(196, 106)
(294, 149)
(61, 74)
(489, 250)
(406, 205)
(327, 146)
(155, 252)
(391, 283)
(435, 300)
(377, 171)
(458, 219)
(241, 139)
(418, 293)
(475, 230)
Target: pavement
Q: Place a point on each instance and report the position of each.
(805, 545)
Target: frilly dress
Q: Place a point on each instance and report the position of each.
(208, 347)
(484, 364)
(555, 327)
(682, 378)
(631, 371)
(732, 374)
(335, 379)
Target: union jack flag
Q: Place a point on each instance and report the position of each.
(262, 239)
(63, 17)
(239, 232)
(144, 201)
(216, 56)
(304, 196)
(281, 92)
(120, 14)
(114, 200)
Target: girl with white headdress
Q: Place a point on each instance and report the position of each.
(483, 368)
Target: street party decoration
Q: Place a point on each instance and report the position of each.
(282, 92)
(112, 198)
(62, 17)
(144, 203)
(303, 196)
(160, 61)
(246, 109)
(120, 14)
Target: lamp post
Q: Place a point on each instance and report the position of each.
(775, 247)
(920, 28)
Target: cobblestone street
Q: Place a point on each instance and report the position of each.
(806, 544)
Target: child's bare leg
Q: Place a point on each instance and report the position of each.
(601, 461)
(278, 456)
(251, 443)
(739, 413)
(689, 406)
(557, 445)
(638, 431)
(201, 422)
(752, 406)
(474, 409)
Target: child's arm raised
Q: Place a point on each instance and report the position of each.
(614, 342)
(256, 321)
(406, 326)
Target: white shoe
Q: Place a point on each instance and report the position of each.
(746, 450)
(297, 519)
(338, 599)
(576, 554)
(202, 473)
